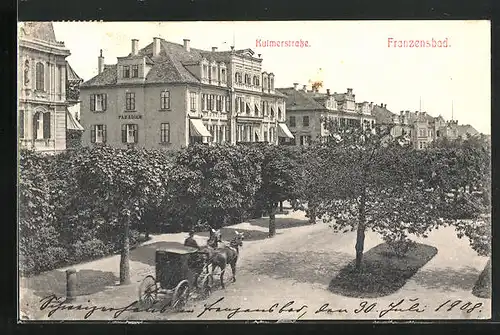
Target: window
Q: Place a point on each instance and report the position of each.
(218, 103)
(98, 102)
(193, 101)
(271, 80)
(165, 100)
(422, 133)
(223, 75)
(126, 71)
(292, 121)
(227, 136)
(205, 72)
(272, 112)
(279, 113)
(256, 81)
(21, 124)
(204, 102)
(266, 136)
(130, 133)
(40, 76)
(41, 126)
(214, 73)
(98, 133)
(26, 72)
(421, 145)
(257, 112)
(305, 139)
(220, 135)
(265, 82)
(305, 121)
(211, 103)
(437, 133)
(130, 101)
(135, 71)
(165, 133)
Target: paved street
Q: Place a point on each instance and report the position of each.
(299, 262)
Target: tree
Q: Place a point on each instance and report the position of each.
(280, 173)
(212, 183)
(373, 181)
(118, 185)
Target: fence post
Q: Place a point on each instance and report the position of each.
(70, 285)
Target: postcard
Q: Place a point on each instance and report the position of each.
(265, 171)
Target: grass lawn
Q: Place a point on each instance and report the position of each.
(482, 288)
(382, 272)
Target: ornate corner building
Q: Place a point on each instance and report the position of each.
(47, 85)
(170, 95)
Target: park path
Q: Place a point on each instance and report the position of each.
(297, 264)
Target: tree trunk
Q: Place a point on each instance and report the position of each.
(360, 236)
(281, 206)
(125, 254)
(312, 212)
(272, 220)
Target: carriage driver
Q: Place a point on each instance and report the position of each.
(190, 241)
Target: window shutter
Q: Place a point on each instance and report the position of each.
(104, 102)
(136, 133)
(92, 102)
(46, 125)
(124, 133)
(104, 133)
(92, 134)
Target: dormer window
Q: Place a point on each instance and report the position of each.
(214, 73)
(126, 71)
(271, 82)
(223, 75)
(135, 71)
(265, 82)
(256, 81)
(204, 73)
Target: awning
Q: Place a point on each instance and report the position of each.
(72, 123)
(197, 128)
(283, 131)
(71, 75)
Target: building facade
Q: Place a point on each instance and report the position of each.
(420, 128)
(168, 95)
(307, 110)
(46, 84)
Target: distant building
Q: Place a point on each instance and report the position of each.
(306, 111)
(168, 95)
(47, 85)
(419, 127)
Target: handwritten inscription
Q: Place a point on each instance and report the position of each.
(130, 116)
(288, 311)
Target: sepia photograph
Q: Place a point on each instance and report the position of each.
(252, 171)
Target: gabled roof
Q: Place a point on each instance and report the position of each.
(107, 77)
(467, 129)
(170, 66)
(299, 100)
(382, 115)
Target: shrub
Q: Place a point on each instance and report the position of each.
(88, 250)
(399, 245)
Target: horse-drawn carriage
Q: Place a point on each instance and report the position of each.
(180, 272)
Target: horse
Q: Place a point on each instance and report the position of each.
(220, 257)
(215, 238)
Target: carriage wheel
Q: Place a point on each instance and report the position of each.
(148, 292)
(180, 296)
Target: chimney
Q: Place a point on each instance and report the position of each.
(100, 62)
(186, 45)
(135, 46)
(304, 88)
(295, 86)
(214, 49)
(328, 91)
(402, 112)
(259, 55)
(156, 46)
(349, 91)
(385, 105)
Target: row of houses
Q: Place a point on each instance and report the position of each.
(168, 95)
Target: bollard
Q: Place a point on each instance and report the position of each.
(70, 285)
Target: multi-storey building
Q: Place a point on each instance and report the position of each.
(419, 127)
(47, 85)
(307, 110)
(170, 95)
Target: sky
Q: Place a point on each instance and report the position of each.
(341, 54)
